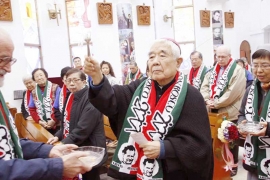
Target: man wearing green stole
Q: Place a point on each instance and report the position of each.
(174, 142)
(223, 88)
(255, 108)
(24, 159)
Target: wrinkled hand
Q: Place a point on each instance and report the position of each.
(57, 151)
(50, 124)
(43, 123)
(210, 103)
(73, 166)
(92, 68)
(53, 140)
(29, 118)
(262, 131)
(151, 149)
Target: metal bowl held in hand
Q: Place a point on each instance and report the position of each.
(251, 127)
(95, 154)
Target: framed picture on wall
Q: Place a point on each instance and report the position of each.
(229, 19)
(5, 11)
(143, 15)
(105, 13)
(205, 18)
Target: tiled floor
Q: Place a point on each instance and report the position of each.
(241, 174)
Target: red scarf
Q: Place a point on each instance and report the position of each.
(192, 74)
(217, 69)
(67, 114)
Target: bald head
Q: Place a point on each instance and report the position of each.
(5, 38)
(6, 52)
(223, 55)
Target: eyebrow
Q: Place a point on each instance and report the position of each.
(162, 51)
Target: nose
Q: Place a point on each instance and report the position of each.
(7, 67)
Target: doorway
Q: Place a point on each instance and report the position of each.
(245, 50)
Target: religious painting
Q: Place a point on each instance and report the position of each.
(79, 24)
(105, 13)
(229, 19)
(143, 15)
(205, 18)
(126, 39)
(5, 10)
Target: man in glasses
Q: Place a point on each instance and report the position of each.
(223, 88)
(24, 159)
(81, 122)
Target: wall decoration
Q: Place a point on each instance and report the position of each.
(205, 18)
(105, 13)
(143, 15)
(229, 19)
(126, 40)
(217, 27)
(5, 10)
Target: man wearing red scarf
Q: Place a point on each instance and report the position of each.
(198, 70)
(134, 73)
(223, 88)
(160, 109)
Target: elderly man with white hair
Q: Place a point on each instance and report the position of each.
(30, 85)
(223, 88)
(162, 109)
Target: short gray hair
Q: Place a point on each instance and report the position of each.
(226, 48)
(26, 77)
(176, 51)
(196, 52)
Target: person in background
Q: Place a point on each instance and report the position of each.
(24, 159)
(249, 76)
(81, 124)
(107, 70)
(30, 85)
(223, 88)
(61, 97)
(141, 106)
(42, 100)
(255, 108)
(198, 70)
(134, 73)
(77, 63)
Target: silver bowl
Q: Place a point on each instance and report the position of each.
(250, 127)
(95, 154)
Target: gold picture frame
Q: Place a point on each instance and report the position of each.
(229, 19)
(5, 10)
(205, 18)
(143, 15)
(105, 13)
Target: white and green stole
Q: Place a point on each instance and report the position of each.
(67, 113)
(9, 141)
(62, 97)
(197, 81)
(260, 145)
(26, 100)
(44, 102)
(217, 87)
(155, 121)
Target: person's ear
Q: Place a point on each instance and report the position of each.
(179, 62)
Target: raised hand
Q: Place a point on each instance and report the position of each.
(92, 68)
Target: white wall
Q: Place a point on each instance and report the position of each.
(251, 17)
(13, 80)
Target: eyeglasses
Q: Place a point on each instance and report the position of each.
(72, 80)
(262, 66)
(221, 57)
(7, 60)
